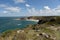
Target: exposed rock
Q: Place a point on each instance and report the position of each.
(52, 20)
(37, 31)
(19, 31)
(41, 21)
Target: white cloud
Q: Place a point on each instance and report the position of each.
(46, 7)
(27, 5)
(32, 12)
(44, 12)
(19, 1)
(10, 8)
(5, 11)
(13, 9)
(47, 11)
(2, 5)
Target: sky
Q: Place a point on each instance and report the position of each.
(15, 8)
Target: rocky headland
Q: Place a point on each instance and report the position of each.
(47, 28)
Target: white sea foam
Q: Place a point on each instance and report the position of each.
(32, 20)
(18, 24)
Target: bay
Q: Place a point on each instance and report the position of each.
(8, 23)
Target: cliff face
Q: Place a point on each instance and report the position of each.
(48, 28)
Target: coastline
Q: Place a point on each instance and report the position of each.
(32, 20)
(35, 31)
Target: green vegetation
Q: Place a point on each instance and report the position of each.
(49, 30)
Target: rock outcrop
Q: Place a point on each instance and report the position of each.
(48, 28)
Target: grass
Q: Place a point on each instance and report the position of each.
(30, 32)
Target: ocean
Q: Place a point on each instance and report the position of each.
(8, 23)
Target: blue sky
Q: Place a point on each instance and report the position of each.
(29, 8)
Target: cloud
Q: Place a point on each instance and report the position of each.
(19, 1)
(5, 11)
(3, 5)
(13, 9)
(32, 12)
(10, 8)
(44, 12)
(27, 5)
(46, 7)
(9, 11)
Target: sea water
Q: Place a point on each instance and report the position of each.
(8, 23)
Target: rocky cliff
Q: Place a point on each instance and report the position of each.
(48, 28)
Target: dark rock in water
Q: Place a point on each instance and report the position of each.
(41, 22)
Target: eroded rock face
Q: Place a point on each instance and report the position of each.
(41, 21)
(36, 32)
(52, 20)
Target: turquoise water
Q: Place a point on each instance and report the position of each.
(8, 23)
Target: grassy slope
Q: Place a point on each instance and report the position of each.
(32, 32)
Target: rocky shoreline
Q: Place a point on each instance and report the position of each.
(48, 28)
